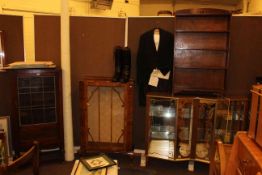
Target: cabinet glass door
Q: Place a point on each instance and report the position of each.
(184, 127)
(230, 118)
(205, 120)
(162, 113)
(36, 100)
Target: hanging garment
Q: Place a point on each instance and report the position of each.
(151, 58)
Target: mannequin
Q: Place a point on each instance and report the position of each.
(155, 52)
(156, 38)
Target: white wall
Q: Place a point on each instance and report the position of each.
(82, 8)
(255, 6)
(151, 7)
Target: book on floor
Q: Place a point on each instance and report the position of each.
(97, 162)
(80, 169)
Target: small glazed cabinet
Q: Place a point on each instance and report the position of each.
(106, 115)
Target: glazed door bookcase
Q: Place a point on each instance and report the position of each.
(38, 111)
(106, 115)
(185, 128)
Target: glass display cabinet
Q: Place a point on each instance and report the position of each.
(185, 128)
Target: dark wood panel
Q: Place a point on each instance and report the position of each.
(200, 59)
(199, 79)
(5, 94)
(245, 54)
(207, 24)
(92, 42)
(13, 37)
(215, 41)
(48, 131)
(47, 39)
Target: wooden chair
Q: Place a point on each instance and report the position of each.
(32, 155)
(219, 158)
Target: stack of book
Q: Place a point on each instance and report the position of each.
(95, 165)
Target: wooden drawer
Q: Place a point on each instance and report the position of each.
(247, 164)
(255, 125)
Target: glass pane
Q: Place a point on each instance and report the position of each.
(50, 115)
(162, 112)
(230, 116)
(36, 84)
(25, 116)
(184, 127)
(37, 115)
(37, 99)
(49, 99)
(206, 117)
(49, 84)
(24, 100)
(23, 85)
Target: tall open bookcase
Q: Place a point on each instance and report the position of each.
(201, 50)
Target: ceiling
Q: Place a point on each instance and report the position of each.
(225, 2)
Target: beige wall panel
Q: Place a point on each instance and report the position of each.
(47, 39)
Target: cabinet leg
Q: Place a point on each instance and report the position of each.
(191, 165)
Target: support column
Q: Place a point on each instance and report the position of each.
(66, 71)
(29, 37)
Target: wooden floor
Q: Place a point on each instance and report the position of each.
(128, 165)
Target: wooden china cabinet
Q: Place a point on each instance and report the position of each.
(106, 115)
(37, 109)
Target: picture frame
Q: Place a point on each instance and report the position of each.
(5, 126)
(2, 50)
(97, 162)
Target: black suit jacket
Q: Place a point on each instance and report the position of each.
(149, 58)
